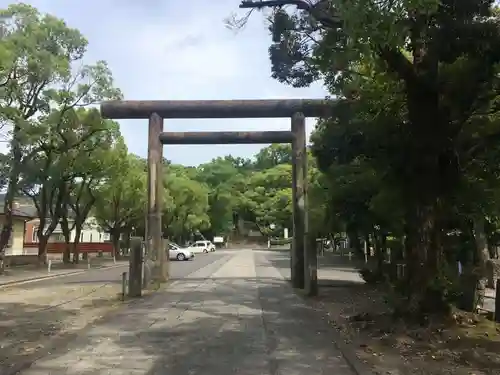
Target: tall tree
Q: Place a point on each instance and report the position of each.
(189, 212)
(440, 57)
(273, 155)
(121, 195)
(37, 54)
(219, 175)
(60, 148)
(88, 168)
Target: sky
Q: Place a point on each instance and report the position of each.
(181, 50)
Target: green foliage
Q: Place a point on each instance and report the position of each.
(73, 164)
(121, 194)
(188, 213)
(411, 149)
(209, 199)
(43, 89)
(409, 155)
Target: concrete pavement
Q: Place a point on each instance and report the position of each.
(34, 315)
(235, 316)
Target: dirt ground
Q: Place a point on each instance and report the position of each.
(465, 345)
(31, 318)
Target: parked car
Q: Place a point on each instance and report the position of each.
(209, 246)
(198, 248)
(178, 253)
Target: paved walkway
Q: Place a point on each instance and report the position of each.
(239, 317)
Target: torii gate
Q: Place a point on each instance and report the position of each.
(303, 254)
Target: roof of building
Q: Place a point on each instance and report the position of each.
(21, 199)
(24, 207)
(26, 212)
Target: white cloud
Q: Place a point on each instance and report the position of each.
(180, 49)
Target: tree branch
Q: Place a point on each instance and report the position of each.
(313, 9)
(396, 61)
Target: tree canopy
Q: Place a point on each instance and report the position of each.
(410, 151)
(408, 162)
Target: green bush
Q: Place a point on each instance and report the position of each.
(280, 241)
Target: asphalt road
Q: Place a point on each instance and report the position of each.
(178, 270)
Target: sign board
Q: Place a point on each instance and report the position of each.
(218, 240)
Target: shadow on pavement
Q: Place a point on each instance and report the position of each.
(232, 325)
(333, 270)
(24, 328)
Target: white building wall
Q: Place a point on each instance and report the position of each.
(91, 232)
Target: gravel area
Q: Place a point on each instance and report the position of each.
(31, 317)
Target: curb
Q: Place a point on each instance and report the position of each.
(33, 279)
(48, 277)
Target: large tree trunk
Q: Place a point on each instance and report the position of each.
(76, 241)
(430, 173)
(81, 213)
(492, 250)
(10, 194)
(420, 227)
(367, 244)
(128, 235)
(380, 250)
(354, 242)
(42, 249)
(471, 283)
(482, 254)
(67, 239)
(43, 238)
(115, 239)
